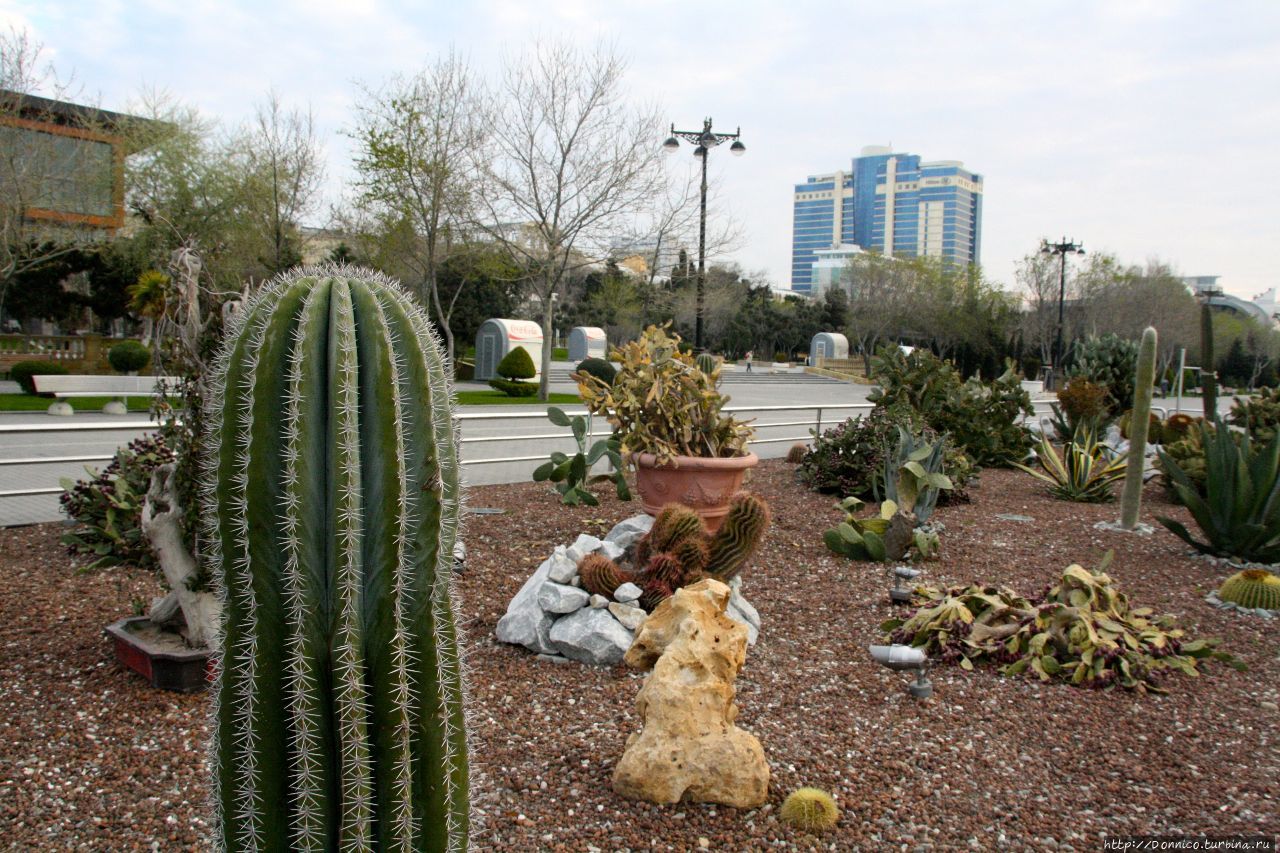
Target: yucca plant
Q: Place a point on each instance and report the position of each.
(1239, 509)
(1084, 472)
(331, 507)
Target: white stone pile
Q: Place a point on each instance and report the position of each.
(554, 616)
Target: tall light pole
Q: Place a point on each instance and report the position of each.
(1062, 249)
(705, 140)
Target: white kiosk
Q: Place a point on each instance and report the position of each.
(496, 338)
(828, 345)
(587, 342)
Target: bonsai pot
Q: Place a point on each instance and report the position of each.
(704, 484)
(160, 656)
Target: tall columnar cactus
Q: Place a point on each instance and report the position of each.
(332, 509)
(1131, 500)
(737, 539)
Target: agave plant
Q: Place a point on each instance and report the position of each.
(1084, 472)
(1239, 509)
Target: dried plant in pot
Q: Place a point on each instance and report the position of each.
(668, 415)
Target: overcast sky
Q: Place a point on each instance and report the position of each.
(1147, 129)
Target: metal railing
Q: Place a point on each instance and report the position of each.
(819, 416)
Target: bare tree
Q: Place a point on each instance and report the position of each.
(417, 138)
(285, 169)
(571, 163)
(38, 170)
(880, 290)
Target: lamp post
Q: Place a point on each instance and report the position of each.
(704, 140)
(1062, 249)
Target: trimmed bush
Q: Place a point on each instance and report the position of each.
(517, 364)
(129, 356)
(24, 370)
(514, 389)
(599, 368)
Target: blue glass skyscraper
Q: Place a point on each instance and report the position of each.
(891, 203)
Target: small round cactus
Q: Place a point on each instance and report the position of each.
(810, 810)
(600, 575)
(797, 453)
(1252, 588)
(707, 363)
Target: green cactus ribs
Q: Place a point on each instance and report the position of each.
(331, 505)
(1252, 588)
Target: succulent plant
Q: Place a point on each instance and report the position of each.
(738, 537)
(1252, 588)
(810, 810)
(331, 508)
(572, 474)
(675, 523)
(1131, 496)
(1259, 415)
(1177, 426)
(1082, 631)
(661, 403)
(654, 591)
(600, 575)
(1084, 472)
(887, 536)
(708, 364)
(796, 454)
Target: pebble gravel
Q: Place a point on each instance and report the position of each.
(93, 759)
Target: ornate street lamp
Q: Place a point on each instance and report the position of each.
(1062, 249)
(705, 140)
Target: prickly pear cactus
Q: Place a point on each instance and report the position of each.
(332, 509)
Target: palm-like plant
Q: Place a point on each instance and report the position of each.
(1238, 510)
(1084, 472)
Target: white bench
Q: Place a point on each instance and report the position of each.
(101, 386)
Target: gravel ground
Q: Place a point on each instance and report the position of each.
(92, 759)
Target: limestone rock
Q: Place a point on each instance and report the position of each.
(630, 616)
(689, 747)
(581, 547)
(626, 593)
(629, 530)
(612, 550)
(599, 601)
(562, 568)
(561, 598)
(525, 623)
(591, 636)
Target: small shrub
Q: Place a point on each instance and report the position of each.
(513, 388)
(1259, 416)
(24, 370)
(848, 459)
(129, 356)
(517, 364)
(1082, 404)
(108, 505)
(983, 419)
(599, 368)
(1110, 361)
(1085, 472)
(810, 810)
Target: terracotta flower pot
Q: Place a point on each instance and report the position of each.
(706, 485)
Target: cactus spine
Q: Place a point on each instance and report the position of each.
(600, 575)
(736, 540)
(1252, 588)
(332, 500)
(1131, 499)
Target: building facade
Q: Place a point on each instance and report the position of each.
(892, 203)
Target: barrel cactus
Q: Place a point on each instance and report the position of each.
(1252, 588)
(332, 497)
(810, 810)
(707, 363)
(600, 575)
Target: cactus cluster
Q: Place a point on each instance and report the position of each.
(332, 500)
(678, 551)
(1252, 588)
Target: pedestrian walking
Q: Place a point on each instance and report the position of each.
(748, 357)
